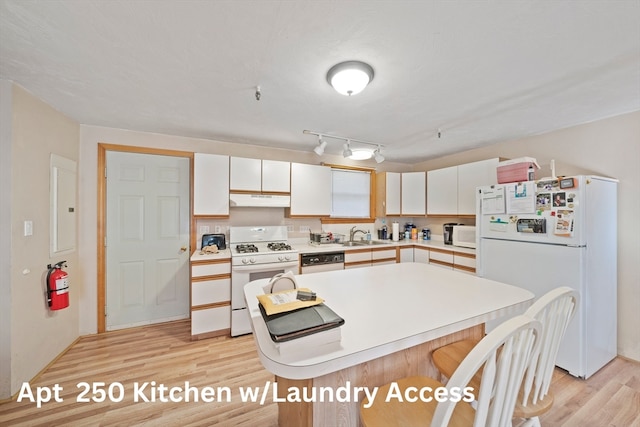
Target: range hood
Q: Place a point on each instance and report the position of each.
(237, 200)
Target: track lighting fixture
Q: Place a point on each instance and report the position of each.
(378, 156)
(347, 150)
(321, 146)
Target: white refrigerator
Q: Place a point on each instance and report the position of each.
(544, 234)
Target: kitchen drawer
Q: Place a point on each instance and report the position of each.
(350, 266)
(383, 261)
(210, 269)
(210, 291)
(383, 254)
(210, 319)
(441, 257)
(357, 256)
(465, 260)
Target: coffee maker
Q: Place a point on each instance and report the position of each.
(447, 232)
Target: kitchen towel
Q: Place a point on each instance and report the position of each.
(395, 231)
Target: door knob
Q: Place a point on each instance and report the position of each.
(183, 249)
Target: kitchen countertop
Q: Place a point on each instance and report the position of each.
(223, 254)
(386, 308)
(304, 247)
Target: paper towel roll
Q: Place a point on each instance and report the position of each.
(395, 231)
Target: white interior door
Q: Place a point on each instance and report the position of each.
(147, 265)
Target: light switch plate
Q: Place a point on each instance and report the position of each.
(28, 228)
(204, 229)
(217, 229)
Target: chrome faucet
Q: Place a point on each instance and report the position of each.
(353, 231)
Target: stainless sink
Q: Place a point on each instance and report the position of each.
(363, 243)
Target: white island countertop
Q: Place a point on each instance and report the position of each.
(387, 308)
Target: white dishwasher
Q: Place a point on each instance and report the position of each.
(325, 261)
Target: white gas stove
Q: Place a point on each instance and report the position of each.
(256, 253)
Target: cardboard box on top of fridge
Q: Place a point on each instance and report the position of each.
(516, 170)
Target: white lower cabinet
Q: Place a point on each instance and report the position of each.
(421, 254)
(210, 298)
(357, 258)
(202, 319)
(464, 262)
(441, 257)
(383, 256)
(407, 254)
(459, 261)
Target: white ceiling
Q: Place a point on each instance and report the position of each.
(480, 71)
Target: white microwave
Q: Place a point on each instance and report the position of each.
(464, 235)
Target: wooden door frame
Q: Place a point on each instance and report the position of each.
(102, 213)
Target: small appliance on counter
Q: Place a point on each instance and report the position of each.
(464, 236)
(447, 232)
(214, 239)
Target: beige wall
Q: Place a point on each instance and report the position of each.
(37, 334)
(6, 100)
(609, 147)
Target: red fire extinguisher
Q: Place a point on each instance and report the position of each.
(57, 286)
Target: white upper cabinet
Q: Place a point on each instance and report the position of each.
(442, 191)
(259, 175)
(310, 190)
(452, 190)
(246, 174)
(413, 192)
(276, 176)
(470, 176)
(210, 185)
(388, 193)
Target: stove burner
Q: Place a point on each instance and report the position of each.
(246, 248)
(279, 246)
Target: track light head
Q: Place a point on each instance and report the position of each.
(347, 149)
(378, 156)
(319, 150)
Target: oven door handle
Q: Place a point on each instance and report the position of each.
(258, 267)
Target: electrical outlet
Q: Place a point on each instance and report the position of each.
(204, 229)
(304, 229)
(290, 228)
(218, 229)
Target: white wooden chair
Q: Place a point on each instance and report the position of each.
(554, 310)
(503, 355)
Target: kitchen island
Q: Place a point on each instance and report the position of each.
(395, 316)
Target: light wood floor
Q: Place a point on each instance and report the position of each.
(165, 354)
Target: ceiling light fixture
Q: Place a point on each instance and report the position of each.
(347, 150)
(321, 146)
(350, 77)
